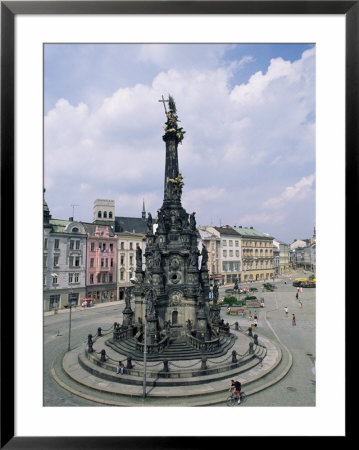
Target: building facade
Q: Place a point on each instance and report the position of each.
(64, 262)
(127, 244)
(212, 241)
(257, 255)
(230, 254)
(101, 264)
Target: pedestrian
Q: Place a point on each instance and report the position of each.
(250, 316)
(255, 322)
(297, 289)
(293, 320)
(301, 289)
(286, 311)
(260, 361)
(300, 304)
(296, 296)
(120, 368)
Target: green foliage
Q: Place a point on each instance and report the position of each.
(269, 286)
(312, 277)
(250, 297)
(231, 301)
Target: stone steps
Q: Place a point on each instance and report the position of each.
(177, 350)
(101, 384)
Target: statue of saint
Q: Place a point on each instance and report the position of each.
(192, 221)
(138, 259)
(128, 297)
(156, 258)
(193, 257)
(149, 222)
(204, 256)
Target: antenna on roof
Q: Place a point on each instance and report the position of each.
(73, 210)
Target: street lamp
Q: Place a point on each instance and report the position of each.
(70, 305)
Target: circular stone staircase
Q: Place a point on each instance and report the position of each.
(197, 381)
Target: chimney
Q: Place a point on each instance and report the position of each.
(71, 219)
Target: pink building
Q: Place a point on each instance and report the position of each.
(101, 263)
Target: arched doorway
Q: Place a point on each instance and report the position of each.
(174, 317)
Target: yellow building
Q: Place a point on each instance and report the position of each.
(257, 255)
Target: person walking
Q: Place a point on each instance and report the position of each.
(286, 311)
(300, 304)
(293, 320)
(296, 296)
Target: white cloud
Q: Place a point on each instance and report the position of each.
(300, 191)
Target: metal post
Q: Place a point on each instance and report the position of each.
(70, 304)
(68, 349)
(145, 358)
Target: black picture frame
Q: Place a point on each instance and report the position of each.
(9, 9)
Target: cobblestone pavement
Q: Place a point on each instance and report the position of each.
(296, 389)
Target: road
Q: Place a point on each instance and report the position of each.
(296, 389)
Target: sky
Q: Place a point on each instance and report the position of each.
(248, 155)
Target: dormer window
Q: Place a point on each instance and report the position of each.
(99, 214)
(105, 215)
(110, 215)
(75, 230)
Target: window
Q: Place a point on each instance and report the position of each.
(92, 248)
(71, 245)
(224, 253)
(77, 261)
(131, 260)
(103, 246)
(122, 246)
(71, 277)
(77, 245)
(236, 243)
(54, 280)
(45, 244)
(102, 262)
(98, 278)
(110, 215)
(54, 301)
(106, 262)
(224, 243)
(110, 278)
(230, 243)
(111, 247)
(92, 262)
(122, 259)
(131, 246)
(76, 277)
(56, 261)
(57, 243)
(99, 214)
(91, 279)
(111, 262)
(105, 215)
(121, 275)
(237, 253)
(103, 278)
(75, 230)
(44, 261)
(230, 252)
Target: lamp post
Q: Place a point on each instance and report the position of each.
(145, 356)
(70, 305)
